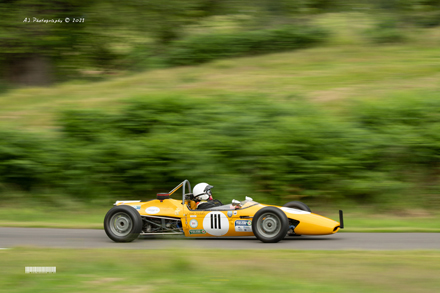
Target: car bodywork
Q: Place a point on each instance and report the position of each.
(165, 215)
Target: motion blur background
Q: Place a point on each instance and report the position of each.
(335, 103)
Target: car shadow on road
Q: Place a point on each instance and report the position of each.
(248, 238)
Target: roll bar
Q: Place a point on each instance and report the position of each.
(184, 183)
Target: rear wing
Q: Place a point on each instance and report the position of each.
(341, 219)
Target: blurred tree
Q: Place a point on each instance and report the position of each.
(35, 34)
(165, 20)
(37, 42)
(405, 5)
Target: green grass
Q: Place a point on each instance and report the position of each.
(51, 217)
(386, 222)
(220, 271)
(51, 211)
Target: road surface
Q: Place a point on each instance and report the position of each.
(88, 238)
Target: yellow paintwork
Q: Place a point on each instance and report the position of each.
(199, 223)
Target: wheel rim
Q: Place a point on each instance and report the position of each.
(269, 225)
(121, 224)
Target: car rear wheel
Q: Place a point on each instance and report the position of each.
(122, 224)
(270, 224)
(297, 205)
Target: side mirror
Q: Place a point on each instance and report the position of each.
(235, 203)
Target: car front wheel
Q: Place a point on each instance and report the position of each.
(270, 224)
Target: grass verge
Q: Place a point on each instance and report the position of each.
(45, 217)
(93, 217)
(220, 271)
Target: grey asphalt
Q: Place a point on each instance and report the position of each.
(88, 238)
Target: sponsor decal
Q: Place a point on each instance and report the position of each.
(294, 211)
(229, 214)
(152, 210)
(243, 223)
(193, 216)
(193, 223)
(197, 231)
(235, 213)
(243, 226)
(216, 223)
(243, 229)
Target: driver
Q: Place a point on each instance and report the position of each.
(203, 196)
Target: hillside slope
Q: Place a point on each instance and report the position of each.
(347, 68)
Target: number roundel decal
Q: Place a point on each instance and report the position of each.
(216, 223)
(193, 223)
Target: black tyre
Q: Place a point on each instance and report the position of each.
(270, 224)
(123, 224)
(297, 205)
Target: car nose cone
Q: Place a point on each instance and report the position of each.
(313, 224)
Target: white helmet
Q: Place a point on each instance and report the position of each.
(202, 191)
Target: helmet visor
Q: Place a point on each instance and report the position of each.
(208, 189)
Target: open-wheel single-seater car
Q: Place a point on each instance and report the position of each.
(129, 219)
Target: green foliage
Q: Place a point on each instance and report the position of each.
(422, 13)
(165, 21)
(201, 48)
(387, 30)
(204, 48)
(25, 32)
(138, 35)
(4, 87)
(426, 19)
(142, 57)
(83, 125)
(411, 126)
(24, 160)
(30, 42)
(273, 151)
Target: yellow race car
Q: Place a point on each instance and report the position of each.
(129, 219)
